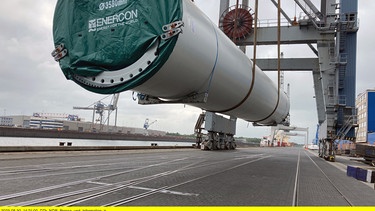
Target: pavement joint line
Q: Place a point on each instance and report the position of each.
(58, 174)
(135, 197)
(154, 191)
(119, 186)
(192, 165)
(99, 183)
(130, 183)
(239, 165)
(342, 167)
(326, 176)
(68, 163)
(14, 195)
(59, 196)
(296, 181)
(164, 191)
(247, 156)
(211, 188)
(58, 168)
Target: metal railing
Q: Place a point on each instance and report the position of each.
(349, 124)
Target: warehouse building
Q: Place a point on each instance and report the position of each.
(36, 122)
(365, 104)
(6, 121)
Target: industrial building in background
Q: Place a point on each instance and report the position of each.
(365, 144)
(365, 104)
(49, 121)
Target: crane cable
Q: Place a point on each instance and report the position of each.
(235, 23)
(278, 59)
(254, 60)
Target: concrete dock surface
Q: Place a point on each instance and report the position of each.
(179, 177)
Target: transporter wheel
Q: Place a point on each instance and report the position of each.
(227, 145)
(209, 144)
(205, 145)
(234, 145)
(222, 146)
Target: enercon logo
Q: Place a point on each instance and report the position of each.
(119, 19)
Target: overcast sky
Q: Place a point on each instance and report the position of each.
(31, 81)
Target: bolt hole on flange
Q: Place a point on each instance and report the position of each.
(107, 79)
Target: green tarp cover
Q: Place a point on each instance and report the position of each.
(110, 35)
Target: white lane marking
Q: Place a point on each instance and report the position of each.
(99, 183)
(295, 195)
(165, 191)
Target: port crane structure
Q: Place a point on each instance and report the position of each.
(331, 33)
(173, 53)
(98, 108)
